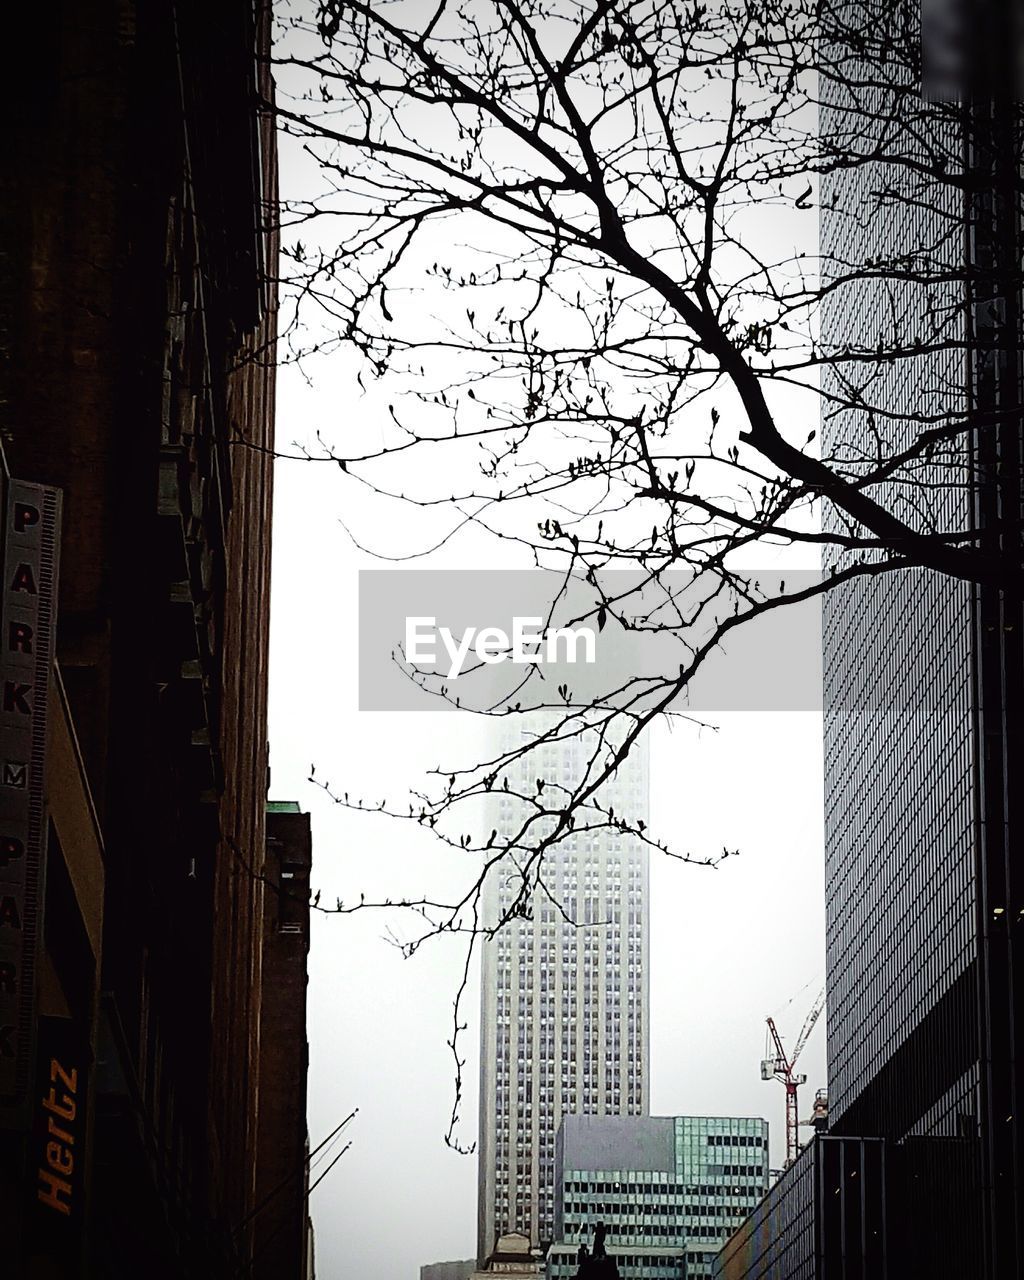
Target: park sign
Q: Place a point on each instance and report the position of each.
(30, 542)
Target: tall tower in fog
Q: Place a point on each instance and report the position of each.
(565, 998)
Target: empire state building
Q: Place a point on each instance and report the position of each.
(565, 993)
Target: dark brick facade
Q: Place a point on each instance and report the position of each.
(138, 312)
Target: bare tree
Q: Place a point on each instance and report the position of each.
(577, 241)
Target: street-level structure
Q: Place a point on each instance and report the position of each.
(669, 1189)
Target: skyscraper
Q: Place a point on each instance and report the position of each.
(565, 993)
(899, 822)
(923, 679)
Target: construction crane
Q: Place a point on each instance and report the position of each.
(778, 1067)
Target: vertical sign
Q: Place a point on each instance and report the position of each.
(30, 542)
(58, 1138)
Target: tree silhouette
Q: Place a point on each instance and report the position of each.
(575, 244)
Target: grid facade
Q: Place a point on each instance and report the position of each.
(647, 1262)
(564, 995)
(863, 1209)
(620, 1172)
(900, 932)
(777, 1241)
(827, 1218)
(722, 1165)
(638, 1207)
(670, 1189)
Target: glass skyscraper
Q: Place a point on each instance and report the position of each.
(565, 992)
(899, 821)
(923, 691)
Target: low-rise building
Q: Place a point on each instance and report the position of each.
(513, 1255)
(669, 1189)
(459, 1269)
(853, 1207)
(281, 1223)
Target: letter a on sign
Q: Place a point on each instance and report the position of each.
(24, 579)
(30, 536)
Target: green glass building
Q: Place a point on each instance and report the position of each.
(669, 1189)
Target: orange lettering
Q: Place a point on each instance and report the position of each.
(68, 1078)
(66, 1112)
(69, 1138)
(51, 1191)
(60, 1158)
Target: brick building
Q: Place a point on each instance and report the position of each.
(137, 323)
(282, 1223)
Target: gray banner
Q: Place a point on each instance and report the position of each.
(430, 640)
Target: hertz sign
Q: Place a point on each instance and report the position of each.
(30, 542)
(58, 1129)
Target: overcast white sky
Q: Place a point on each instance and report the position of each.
(727, 946)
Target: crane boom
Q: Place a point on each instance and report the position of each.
(808, 1027)
(779, 1050)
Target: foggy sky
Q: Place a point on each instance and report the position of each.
(727, 946)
